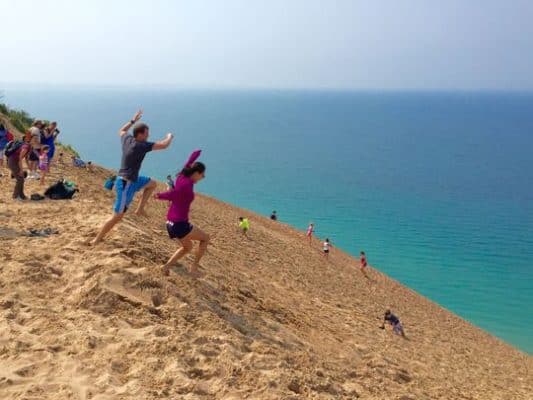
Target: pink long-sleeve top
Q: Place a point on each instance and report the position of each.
(182, 195)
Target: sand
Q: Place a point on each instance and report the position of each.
(271, 319)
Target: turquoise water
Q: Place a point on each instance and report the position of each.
(437, 188)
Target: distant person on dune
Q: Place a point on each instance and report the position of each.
(310, 231)
(129, 182)
(363, 264)
(178, 225)
(326, 246)
(274, 216)
(170, 183)
(244, 224)
(393, 320)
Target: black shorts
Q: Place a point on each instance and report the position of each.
(33, 156)
(326, 251)
(178, 229)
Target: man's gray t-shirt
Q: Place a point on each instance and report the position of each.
(133, 153)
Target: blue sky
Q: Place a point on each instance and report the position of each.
(408, 44)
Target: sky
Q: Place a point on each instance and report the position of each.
(327, 44)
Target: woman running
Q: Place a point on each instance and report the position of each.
(310, 231)
(178, 225)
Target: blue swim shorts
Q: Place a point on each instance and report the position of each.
(126, 191)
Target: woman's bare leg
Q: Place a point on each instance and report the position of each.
(186, 246)
(203, 238)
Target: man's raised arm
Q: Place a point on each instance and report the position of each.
(124, 130)
(163, 144)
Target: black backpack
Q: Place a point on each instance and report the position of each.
(12, 147)
(60, 191)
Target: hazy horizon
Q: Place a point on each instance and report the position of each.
(299, 45)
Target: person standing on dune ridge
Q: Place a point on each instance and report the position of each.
(129, 182)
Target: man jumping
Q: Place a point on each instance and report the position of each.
(128, 182)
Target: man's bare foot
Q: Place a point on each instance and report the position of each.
(141, 213)
(165, 269)
(93, 242)
(195, 272)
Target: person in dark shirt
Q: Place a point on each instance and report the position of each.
(129, 182)
(274, 216)
(394, 321)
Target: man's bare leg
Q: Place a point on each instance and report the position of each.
(108, 225)
(147, 192)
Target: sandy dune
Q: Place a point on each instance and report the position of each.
(271, 319)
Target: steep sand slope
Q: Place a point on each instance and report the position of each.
(271, 319)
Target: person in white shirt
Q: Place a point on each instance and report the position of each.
(326, 246)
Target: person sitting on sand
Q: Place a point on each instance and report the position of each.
(128, 182)
(44, 162)
(310, 231)
(78, 162)
(393, 320)
(274, 216)
(326, 247)
(244, 224)
(178, 225)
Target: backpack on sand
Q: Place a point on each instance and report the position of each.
(60, 191)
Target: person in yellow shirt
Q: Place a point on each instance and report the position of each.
(244, 224)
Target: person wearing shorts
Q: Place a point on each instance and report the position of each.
(178, 225)
(129, 182)
(326, 246)
(244, 224)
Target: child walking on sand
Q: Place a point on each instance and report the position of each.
(170, 183)
(244, 224)
(43, 162)
(178, 225)
(310, 231)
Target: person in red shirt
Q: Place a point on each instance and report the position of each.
(363, 262)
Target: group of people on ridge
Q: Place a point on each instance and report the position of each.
(36, 150)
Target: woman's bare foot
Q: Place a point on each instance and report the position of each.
(195, 272)
(141, 213)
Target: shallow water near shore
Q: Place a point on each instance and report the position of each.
(437, 188)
